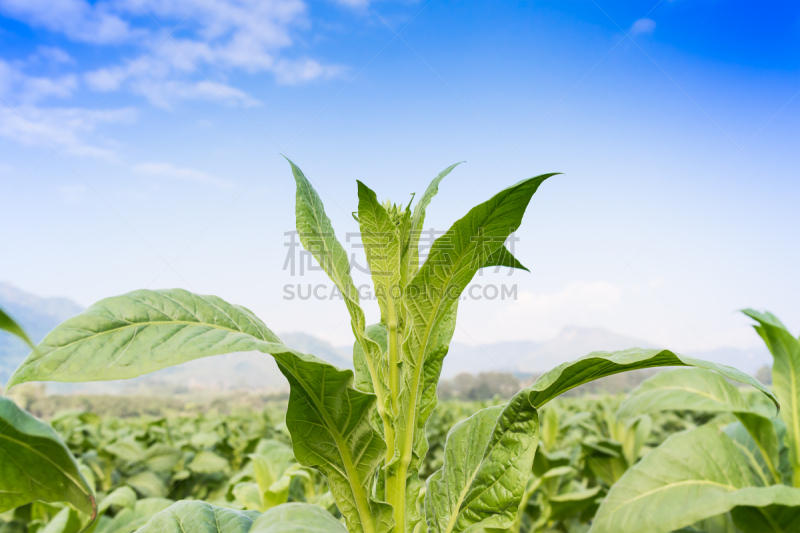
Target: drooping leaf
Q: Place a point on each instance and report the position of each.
(199, 517)
(8, 324)
(176, 326)
(596, 365)
(141, 332)
(35, 464)
(785, 349)
(488, 459)
(297, 518)
(684, 389)
(701, 390)
(692, 476)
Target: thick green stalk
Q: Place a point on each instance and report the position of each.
(396, 484)
(394, 383)
(388, 429)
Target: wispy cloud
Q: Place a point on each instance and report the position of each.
(63, 127)
(643, 27)
(168, 170)
(78, 20)
(248, 35)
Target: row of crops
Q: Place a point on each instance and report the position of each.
(139, 467)
(589, 448)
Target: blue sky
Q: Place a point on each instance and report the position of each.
(140, 143)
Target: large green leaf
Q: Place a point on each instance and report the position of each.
(488, 459)
(597, 365)
(331, 430)
(8, 324)
(692, 476)
(147, 330)
(694, 389)
(35, 464)
(698, 389)
(199, 517)
(785, 349)
(297, 518)
(141, 332)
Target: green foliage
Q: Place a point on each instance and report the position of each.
(366, 431)
(36, 465)
(8, 324)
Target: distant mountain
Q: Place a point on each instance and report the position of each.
(529, 357)
(37, 315)
(253, 370)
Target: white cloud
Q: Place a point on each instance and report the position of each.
(168, 170)
(542, 315)
(60, 126)
(213, 36)
(79, 20)
(52, 54)
(643, 27)
(17, 86)
(295, 72)
(249, 35)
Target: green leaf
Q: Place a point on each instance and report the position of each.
(782, 515)
(418, 218)
(199, 517)
(162, 458)
(701, 390)
(382, 246)
(206, 462)
(693, 389)
(785, 349)
(317, 236)
(331, 431)
(129, 520)
(123, 497)
(693, 475)
(35, 464)
(504, 258)
(65, 521)
(488, 459)
(141, 332)
(175, 326)
(597, 365)
(297, 518)
(8, 324)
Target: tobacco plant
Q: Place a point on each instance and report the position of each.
(745, 473)
(364, 430)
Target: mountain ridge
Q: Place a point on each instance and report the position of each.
(257, 371)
